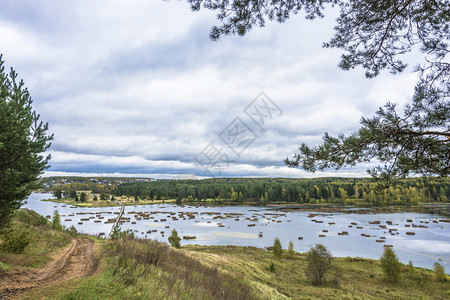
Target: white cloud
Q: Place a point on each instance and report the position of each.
(137, 87)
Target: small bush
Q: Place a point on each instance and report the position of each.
(15, 240)
(174, 239)
(390, 265)
(439, 271)
(119, 233)
(4, 267)
(272, 267)
(72, 231)
(277, 248)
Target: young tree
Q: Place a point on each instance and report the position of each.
(439, 271)
(277, 248)
(411, 269)
(390, 264)
(291, 249)
(56, 221)
(319, 262)
(372, 34)
(83, 197)
(57, 194)
(23, 140)
(174, 239)
(179, 200)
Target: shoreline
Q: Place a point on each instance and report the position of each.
(442, 208)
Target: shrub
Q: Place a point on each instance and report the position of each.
(119, 233)
(15, 240)
(439, 271)
(390, 265)
(277, 248)
(4, 266)
(272, 267)
(72, 231)
(174, 239)
(319, 262)
(30, 217)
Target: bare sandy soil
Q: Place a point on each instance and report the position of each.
(76, 260)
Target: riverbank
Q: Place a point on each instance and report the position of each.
(432, 208)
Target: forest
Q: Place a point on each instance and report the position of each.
(288, 190)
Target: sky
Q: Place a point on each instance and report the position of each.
(137, 88)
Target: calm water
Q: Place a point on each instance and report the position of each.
(430, 243)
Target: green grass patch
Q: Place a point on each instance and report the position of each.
(42, 240)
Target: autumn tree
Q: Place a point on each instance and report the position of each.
(319, 262)
(390, 265)
(23, 141)
(372, 35)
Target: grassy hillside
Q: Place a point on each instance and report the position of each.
(32, 229)
(145, 269)
(229, 272)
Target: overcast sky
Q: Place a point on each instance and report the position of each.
(137, 87)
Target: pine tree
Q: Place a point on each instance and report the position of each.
(277, 248)
(174, 239)
(56, 221)
(373, 35)
(23, 141)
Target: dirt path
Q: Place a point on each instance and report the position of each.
(76, 260)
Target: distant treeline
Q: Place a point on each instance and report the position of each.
(264, 190)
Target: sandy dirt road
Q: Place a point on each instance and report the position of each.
(76, 260)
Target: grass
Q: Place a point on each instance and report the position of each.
(351, 278)
(145, 269)
(42, 240)
(133, 268)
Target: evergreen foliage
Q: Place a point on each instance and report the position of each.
(23, 141)
(174, 239)
(277, 248)
(310, 191)
(373, 35)
(56, 221)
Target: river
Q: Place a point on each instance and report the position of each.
(421, 238)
